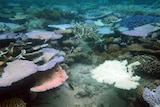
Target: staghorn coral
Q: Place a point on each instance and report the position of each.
(87, 32)
(83, 30)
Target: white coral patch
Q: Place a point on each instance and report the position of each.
(115, 72)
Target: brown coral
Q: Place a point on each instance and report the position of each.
(49, 14)
(150, 67)
(110, 19)
(12, 102)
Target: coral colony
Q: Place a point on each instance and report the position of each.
(152, 97)
(109, 72)
(13, 71)
(137, 20)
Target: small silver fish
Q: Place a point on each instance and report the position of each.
(68, 85)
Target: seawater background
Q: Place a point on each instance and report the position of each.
(71, 2)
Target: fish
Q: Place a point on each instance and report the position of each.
(68, 85)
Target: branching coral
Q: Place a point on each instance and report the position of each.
(87, 32)
(83, 30)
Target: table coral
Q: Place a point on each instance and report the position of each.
(50, 79)
(43, 35)
(16, 71)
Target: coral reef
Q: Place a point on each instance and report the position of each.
(45, 57)
(37, 45)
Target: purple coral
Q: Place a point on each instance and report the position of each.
(51, 63)
(151, 97)
(138, 20)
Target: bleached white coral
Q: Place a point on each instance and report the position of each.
(115, 72)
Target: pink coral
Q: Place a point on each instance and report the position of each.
(49, 79)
